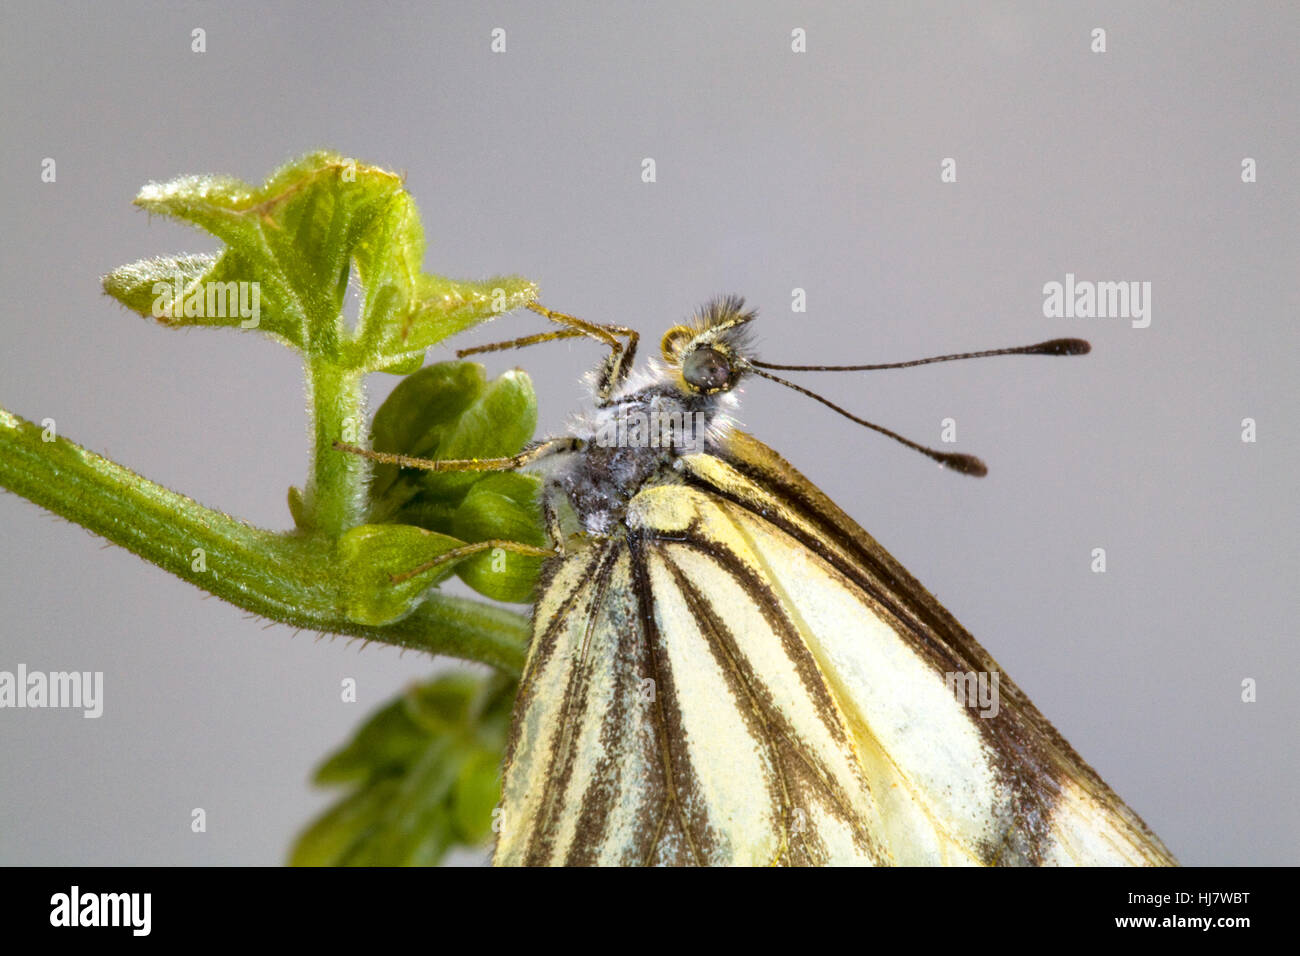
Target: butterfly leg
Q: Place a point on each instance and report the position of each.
(464, 551)
(522, 342)
(553, 446)
(554, 526)
(618, 363)
(613, 371)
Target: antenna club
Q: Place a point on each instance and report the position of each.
(1063, 347)
(965, 465)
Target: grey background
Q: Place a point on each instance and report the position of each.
(775, 170)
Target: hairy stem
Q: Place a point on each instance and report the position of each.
(292, 577)
(335, 496)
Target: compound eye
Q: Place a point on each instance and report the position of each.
(707, 370)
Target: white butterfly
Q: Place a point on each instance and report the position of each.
(726, 669)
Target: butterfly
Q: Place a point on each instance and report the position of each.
(725, 669)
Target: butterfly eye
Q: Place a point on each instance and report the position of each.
(707, 370)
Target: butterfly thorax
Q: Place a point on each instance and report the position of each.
(634, 441)
(644, 422)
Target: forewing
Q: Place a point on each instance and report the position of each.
(1000, 789)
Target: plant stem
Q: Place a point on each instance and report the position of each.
(335, 497)
(292, 578)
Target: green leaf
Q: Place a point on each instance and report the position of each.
(448, 410)
(414, 827)
(502, 575)
(424, 776)
(476, 792)
(291, 244)
(372, 555)
(405, 366)
(385, 743)
(501, 507)
(497, 424)
(433, 515)
(331, 838)
(156, 286)
(415, 416)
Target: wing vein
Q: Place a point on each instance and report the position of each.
(654, 648)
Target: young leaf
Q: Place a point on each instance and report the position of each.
(413, 420)
(291, 244)
(497, 424)
(448, 410)
(373, 555)
(501, 507)
(425, 776)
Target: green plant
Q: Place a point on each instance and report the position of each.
(423, 769)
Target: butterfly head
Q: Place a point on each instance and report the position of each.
(710, 353)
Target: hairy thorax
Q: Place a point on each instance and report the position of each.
(636, 441)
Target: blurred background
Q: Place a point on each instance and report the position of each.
(775, 170)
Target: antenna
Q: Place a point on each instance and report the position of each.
(1050, 347)
(965, 464)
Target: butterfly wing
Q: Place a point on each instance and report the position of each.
(656, 725)
(1007, 787)
(746, 677)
